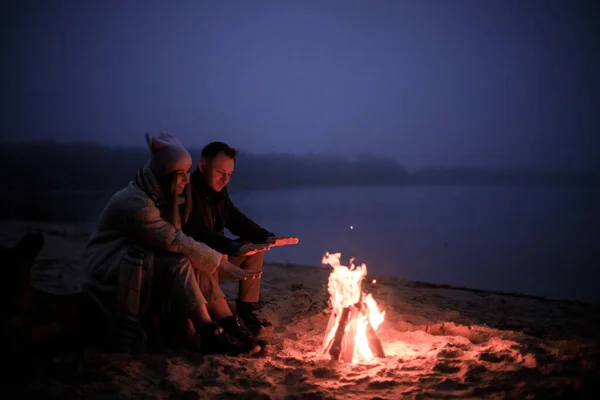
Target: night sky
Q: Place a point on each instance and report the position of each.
(461, 82)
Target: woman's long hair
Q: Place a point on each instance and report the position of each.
(177, 207)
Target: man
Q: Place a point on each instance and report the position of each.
(138, 257)
(213, 211)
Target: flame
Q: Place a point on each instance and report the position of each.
(345, 289)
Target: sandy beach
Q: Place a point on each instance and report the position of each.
(440, 342)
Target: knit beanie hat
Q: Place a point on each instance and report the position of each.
(168, 154)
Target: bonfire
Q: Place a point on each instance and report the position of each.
(351, 334)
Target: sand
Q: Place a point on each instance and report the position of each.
(440, 342)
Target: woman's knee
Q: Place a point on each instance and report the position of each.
(183, 268)
(185, 284)
(182, 262)
(174, 263)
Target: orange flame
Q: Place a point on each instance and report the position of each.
(345, 290)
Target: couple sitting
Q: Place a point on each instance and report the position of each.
(158, 254)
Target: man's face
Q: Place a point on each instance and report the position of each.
(217, 171)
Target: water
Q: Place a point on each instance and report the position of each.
(541, 241)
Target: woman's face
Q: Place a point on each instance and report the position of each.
(182, 178)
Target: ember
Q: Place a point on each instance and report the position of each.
(351, 332)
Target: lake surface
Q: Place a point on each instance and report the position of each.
(534, 240)
(543, 241)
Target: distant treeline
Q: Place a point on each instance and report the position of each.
(51, 166)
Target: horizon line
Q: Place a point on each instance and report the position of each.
(344, 155)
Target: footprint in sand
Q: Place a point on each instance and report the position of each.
(450, 353)
(475, 373)
(450, 385)
(325, 373)
(382, 384)
(412, 368)
(291, 361)
(495, 357)
(446, 368)
(295, 377)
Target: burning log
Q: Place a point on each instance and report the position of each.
(336, 345)
(348, 342)
(351, 333)
(374, 342)
(343, 343)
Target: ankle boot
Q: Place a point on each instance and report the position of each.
(257, 327)
(214, 340)
(233, 328)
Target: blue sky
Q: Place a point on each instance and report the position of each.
(461, 82)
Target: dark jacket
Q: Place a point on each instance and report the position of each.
(212, 212)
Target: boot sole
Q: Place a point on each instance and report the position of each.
(264, 352)
(256, 349)
(249, 353)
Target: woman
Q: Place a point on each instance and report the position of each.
(138, 256)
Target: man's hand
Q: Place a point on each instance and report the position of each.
(237, 273)
(250, 249)
(274, 241)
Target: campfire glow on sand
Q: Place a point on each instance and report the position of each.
(351, 332)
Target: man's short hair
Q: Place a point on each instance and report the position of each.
(211, 150)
